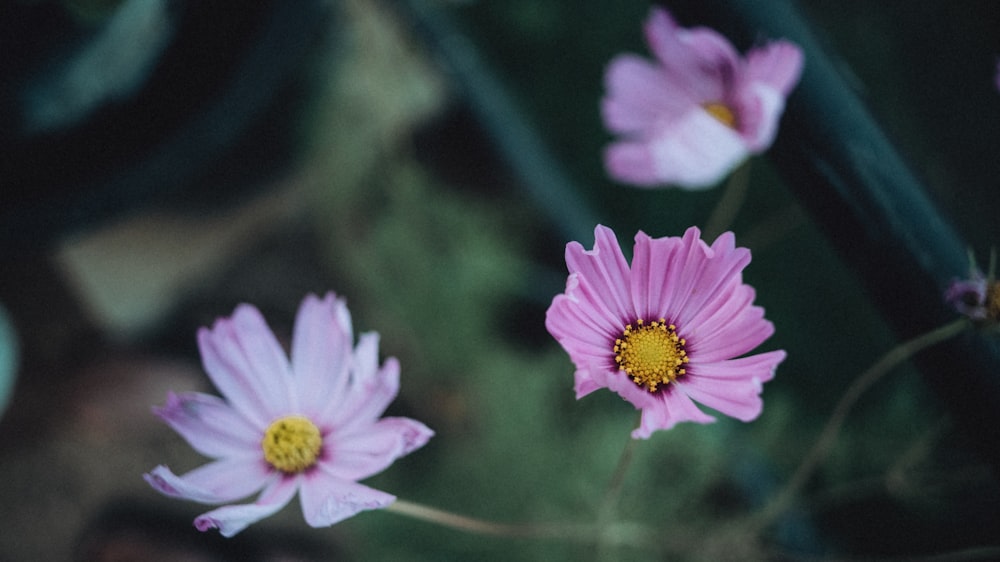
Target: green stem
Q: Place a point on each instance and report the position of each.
(609, 504)
(726, 209)
(821, 448)
(620, 533)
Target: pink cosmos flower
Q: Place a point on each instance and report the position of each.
(699, 110)
(310, 425)
(668, 330)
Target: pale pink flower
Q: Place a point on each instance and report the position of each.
(696, 112)
(668, 330)
(309, 425)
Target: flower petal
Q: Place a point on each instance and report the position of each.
(247, 364)
(777, 64)
(605, 270)
(370, 391)
(220, 481)
(371, 450)
(327, 500)
(582, 323)
(699, 58)
(321, 353)
(232, 519)
(735, 330)
(759, 107)
(732, 387)
(696, 151)
(674, 407)
(638, 95)
(210, 425)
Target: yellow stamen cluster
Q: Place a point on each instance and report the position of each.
(993, 301)
(291, 444)
(651, 354)
(722, 113)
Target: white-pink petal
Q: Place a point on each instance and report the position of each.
(232, 519)
(327, 500)
(321, 353)
(210, 425)
(219, 481)
(364, 453)
(695, 151)
(371, 391)
(247, 364)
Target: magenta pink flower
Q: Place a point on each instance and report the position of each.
(310, 425)
(699, 110)
(668, 330)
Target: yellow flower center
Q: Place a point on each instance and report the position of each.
(993, 301)
(651, 354)
(291, 444)
(722, 113)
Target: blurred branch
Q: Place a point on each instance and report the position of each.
(514, 136)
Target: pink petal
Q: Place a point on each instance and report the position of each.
(605, 270)
(731, 334)
(740, 401)
(759, 107)
(581, 321)
(232, 519)
(760, 366)
(676, 268)
(619, 383)
(713, 276)
(732, 387)
(220, 481)
(631, 162)
(327, 500)
(247, 364)
(777, 64)
(574, 320)
(321, 353)
(588, 379)
(209, 425)
(371, 390)
(700, 59)
(372, 449)
(639, 96)
(675, 407)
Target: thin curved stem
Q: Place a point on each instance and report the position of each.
(609, 503)
(821, 448)
(614, 490)
(620, 533)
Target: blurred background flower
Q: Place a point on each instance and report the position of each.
(696, 112)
